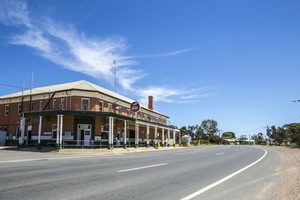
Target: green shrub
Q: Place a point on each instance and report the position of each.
(184, 142)
(196, 143)
(206, 142)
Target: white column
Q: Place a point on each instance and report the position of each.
(110, 132)
(155, 136)
(40, 131)
(125, 132)
(168, 136)
(147, 135)
(58, 130)
(174, 139)
(163, 136)
(179, 133)
(22, 127)
(136, 134)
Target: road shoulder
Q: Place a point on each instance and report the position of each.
(289, 187)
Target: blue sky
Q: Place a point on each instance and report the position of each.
(237, 62)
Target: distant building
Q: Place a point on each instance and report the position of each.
(80, 114)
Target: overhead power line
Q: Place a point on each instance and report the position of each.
(13, 86)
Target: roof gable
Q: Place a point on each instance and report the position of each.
(78, 85)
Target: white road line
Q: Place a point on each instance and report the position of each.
(205, 150)
(132, 169)
(218, 154)
(40, 159)
(222, 180)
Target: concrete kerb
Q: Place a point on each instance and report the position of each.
(113, 151)
(88, 151)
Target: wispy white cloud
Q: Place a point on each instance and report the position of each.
(63, 45)
(173, 53)
(172, 95)
(14, 12)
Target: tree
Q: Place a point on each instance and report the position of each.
(243, 139)
(209, 127)
(293, 133)
(259, 139)
(183, 130)
(228, 135)
(215, 139)
(280, 136)
(260, 136)
(190, 131)
(199, 133)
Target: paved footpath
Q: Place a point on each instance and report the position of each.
(14, 154)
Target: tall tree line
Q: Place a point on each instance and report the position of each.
(289, 133)
(207, 131)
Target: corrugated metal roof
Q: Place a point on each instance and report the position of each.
(78, 85)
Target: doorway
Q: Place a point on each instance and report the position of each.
(84, 134)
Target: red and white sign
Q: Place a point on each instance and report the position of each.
(135, 106)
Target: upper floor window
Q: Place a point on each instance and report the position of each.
(19, 108)
(62, 104)
(54, 103)
(41, 105)
(6, 110)
(109, 107)
(146, 117)
(156, 120)
(119, 108)
(31, 106)
(85, 104)
(128, 112)
(101, 105)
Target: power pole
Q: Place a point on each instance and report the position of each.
(115, 74)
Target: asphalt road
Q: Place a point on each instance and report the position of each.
(217, 172)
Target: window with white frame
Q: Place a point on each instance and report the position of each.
(54, 103)
(146, 117)
(19, 109)
(6, 110)
(119, 109)
(101, 105)
(18, 131)
(31, 106)
(85, 104)
(62, 103)
(109, 106)
(41, 105)
(128, 112)
(54, 131)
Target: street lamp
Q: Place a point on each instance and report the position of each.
(115, 74)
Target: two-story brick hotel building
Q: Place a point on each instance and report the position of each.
(81, 114)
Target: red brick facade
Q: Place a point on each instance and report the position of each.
(11, 109)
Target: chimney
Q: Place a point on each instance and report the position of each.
(150, 102)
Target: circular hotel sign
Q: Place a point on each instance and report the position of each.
(135, 106)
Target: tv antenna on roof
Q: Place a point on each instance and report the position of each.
(115, 74)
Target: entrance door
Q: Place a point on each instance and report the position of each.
(87, 137)
(84, 134)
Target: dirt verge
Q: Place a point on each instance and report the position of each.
(289, 187)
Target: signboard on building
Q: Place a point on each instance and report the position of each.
(135, 106)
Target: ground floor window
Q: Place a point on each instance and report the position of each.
(54, 131)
